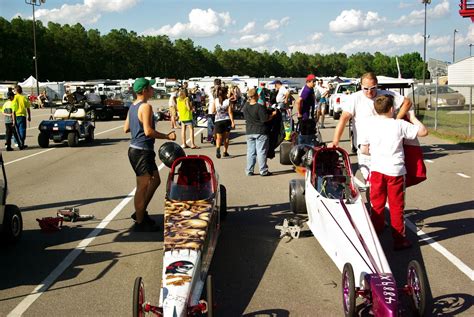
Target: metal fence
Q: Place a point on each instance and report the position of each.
(446, 109)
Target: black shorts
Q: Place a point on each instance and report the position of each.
(142, 161)
(222, 126)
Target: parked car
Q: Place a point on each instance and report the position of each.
(425, 97)
(340, 95)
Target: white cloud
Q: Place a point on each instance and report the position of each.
(248, 28)
(202, 23)
(438, 41)
(273, 24)
(88, 12)
(417, 17)
(252, 40)
(390, 43)
(316, 36)
(311, 48)
(353, 21)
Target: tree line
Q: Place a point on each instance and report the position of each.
(70, 52)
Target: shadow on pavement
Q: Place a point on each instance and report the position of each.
(269, 313)
(435, 151)
(243, 252)
(32, 259)
(452, 304)
(448, 228)
(71, 203)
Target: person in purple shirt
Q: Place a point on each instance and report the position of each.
(306, 101)
(305, 111)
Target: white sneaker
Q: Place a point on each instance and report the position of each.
(15, 145)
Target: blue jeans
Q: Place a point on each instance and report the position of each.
(21, 126)
(257, 148)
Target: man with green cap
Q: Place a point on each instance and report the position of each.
(141, 153)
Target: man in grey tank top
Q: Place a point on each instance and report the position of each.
(141, 153)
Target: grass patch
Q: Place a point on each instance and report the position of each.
(451, 125)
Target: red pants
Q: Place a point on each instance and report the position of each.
(381, 187)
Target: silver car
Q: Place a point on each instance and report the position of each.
(425, 97)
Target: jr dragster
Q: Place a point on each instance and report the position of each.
(339, 220)
(195, 203)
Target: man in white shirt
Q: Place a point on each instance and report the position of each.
(282, 97)
(360, 107)
(172, 108)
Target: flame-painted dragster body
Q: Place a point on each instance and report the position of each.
(195, 203)
(339, 220)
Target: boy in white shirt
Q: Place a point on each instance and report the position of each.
(383, 141)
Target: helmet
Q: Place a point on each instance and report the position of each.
(297, 153)
(169, 152)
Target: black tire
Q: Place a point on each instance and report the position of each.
(202, 138)
(90, 136)
(138, 297)
(12, 223)
(417, 283)
(348, 291)
(336, 115)
(285, 148)
(43, 139)
(331, 112)
(223, 202)
(297, 198)
(72, 139)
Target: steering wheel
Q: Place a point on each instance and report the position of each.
(71, 108)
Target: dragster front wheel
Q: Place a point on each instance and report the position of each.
(416, 282)
(138, 298)
(348, 290)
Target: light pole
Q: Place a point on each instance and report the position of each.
(454, 44)
(470, 47)
(34, 3)
(425, 2)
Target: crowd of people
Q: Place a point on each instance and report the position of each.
(377, 120)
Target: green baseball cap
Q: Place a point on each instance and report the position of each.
(142, 83)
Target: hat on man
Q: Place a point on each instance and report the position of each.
(262, 84)
(277, 82)
(310, 77)
(141, 83)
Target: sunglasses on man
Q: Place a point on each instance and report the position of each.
(369, 88)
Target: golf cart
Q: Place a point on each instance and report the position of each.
(11, 222)
(70, 123)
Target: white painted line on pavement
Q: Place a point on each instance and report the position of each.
(428, 161)
(443, 251)
(21, 308)
(463, 175)
(121, 126)
(26, 157)
(38, 153)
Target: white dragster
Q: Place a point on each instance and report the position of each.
(339, 220)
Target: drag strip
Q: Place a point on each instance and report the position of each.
(54, 148)
(21, 308)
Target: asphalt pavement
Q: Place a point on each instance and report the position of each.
(88, 268)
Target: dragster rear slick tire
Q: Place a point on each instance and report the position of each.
(285, 148)
(348, 291)
(297, 198)
(416, 281)
(138, 298)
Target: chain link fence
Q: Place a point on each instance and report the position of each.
(447, 109)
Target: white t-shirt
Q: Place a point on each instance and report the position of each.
(361, 108)
(385, 137)
(172, 100)
(280, 98)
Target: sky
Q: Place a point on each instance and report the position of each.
(392, 27)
